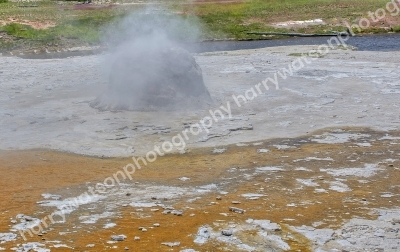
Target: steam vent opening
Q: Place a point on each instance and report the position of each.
(165, 78)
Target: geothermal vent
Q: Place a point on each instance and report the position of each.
(166, 78)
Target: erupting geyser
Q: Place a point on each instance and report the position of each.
(148, 69)
(165, 78)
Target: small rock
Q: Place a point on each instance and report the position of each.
(153, 197)
(236, 210)
(166, 211)
(177, 212)
(118, 237)
(156, 224)
(126, 248)
(235, 202)
(171, 244)
(128, 194)
(137, 238)
(219, 198)
(144, 230)
(13, 221)
(191, 215)
(227, 232)
(154, 209)
(140, 228)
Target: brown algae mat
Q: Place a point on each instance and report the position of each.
(327, 177)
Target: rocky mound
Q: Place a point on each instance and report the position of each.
(162, 79)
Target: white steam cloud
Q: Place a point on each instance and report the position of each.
(148, 66)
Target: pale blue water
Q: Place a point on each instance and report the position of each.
(381, 42)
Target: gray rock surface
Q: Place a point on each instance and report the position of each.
(344, 88)
(358, 234)
(155, 79)
(118, 237)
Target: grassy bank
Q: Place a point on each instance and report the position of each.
(234, 20)
(34, 25)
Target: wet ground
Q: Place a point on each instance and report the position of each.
(298, 194)
(312, 166)
(46, 103)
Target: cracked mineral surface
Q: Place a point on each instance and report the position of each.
(312, 166)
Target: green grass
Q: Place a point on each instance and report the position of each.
(69, 30)
(233, 20)
(314, 55)
(396, 28)
(297, 54)
(217, 21)
(79, 26)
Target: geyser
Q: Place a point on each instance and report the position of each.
(150, 71)
(164, 79)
